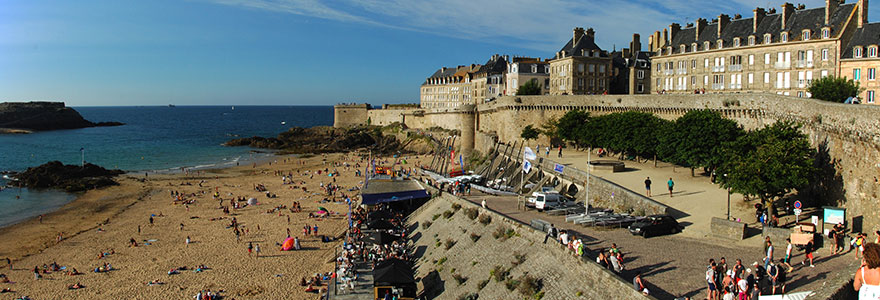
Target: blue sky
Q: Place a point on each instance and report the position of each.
(294, 52)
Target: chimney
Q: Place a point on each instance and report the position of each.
(737, 16)
(674, 28)
(863, 13)
(787, 12)
(700, 25)
(443, 69)
(636, 44)
(626, 53)
(666, 40)
(578, 33)
(830, 7)
(591, 33)
(723, 20)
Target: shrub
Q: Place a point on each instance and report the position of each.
(503, 234)
(499, 273)
(434, 218)
(518, 258)
(471, 213)
(485, 219)
(449, 243)
(539, 295)
(579, 293)
(469, 296)
(441, 261)
(529, 286)
(437, 244)
(511, 284)
(456, 206)
(426, 224)
(448, 214)
(460, 279)
(499, 232)
(475, 237)
(482, 284)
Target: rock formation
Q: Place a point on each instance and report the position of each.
(70, 178)
(325, 139)
(42, 116)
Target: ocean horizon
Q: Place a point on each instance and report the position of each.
(153, 139)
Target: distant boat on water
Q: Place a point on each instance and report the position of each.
(233, 108)
(171, 105)
(283, 123)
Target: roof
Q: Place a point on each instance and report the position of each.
(868, 35)
(496, 65)
(381, 191)
(812, 19)
(393, 272)
(586, 42)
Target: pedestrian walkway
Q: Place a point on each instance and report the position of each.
(363, 286)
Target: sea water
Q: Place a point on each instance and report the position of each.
(159, 139)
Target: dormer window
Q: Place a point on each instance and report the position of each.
(720, 44)
(669, 50)
(683, 48)
(736, 42)
(783, 37)
(805, 36)
(872, 51)
(826, 33)
(534, 68)
(694, 47)
(705, 46)
(751, 40)
(857, 52)
(768, 38)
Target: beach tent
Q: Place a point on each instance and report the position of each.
(393, 272)
(252, 201)
(383, 237)
(287, 245)
(321, 208)
(380, 224)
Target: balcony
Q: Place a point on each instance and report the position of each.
(681, 87)
(718, 69)
(682, 71)
(669, 72)
(735, 86)
(804, 63)
(782, 65)
(735, 68)
(803, 83)
(717, 86)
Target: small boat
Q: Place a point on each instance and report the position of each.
(283, 123)
(233, 108)
(171, 105)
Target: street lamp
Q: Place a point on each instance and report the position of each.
(728, 197)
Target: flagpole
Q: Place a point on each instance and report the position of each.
(587, 185)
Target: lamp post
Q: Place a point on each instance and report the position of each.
(728, 198)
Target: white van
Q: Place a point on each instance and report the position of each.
(548, 200)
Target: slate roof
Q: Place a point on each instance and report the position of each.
(440, 73)
(812, 19)
(495, 65)
(585, 43)
(868, 35)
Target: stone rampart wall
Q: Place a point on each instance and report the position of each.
(346, 115)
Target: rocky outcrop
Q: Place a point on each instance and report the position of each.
(325, 139)
(70, 178)
(39, 116)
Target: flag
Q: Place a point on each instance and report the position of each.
(527, 166)
(529, 154)
(461, 162)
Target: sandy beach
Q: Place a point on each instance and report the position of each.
(162, 246)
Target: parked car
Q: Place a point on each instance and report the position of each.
(547, 200)
(655, 225)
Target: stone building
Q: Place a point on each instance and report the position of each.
(524, 69)
(580, 67)
(448, 87)
(859, 61)
(632, 70)
(771, 52)
(489, 79)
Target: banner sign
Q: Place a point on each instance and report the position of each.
(529, 154)
(527, 166)
(558, 168)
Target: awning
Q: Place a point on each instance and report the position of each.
(372, 199)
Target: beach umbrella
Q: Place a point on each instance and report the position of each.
(320, 208)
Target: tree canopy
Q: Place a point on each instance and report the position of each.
(568, 126)
(529, 133)
(697, 138)
(834, 89)
(531, 87)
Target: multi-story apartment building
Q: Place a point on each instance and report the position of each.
(860, 61)
(632, 70)
(448, 87)
(489, 79)
(524, 69)
(771, 52)
(580, 67)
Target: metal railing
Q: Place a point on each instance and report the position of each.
(717, 86)
(782, 65)
(718, 69)
(735, 68)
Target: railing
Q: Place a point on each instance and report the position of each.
(804, 63)
(735, 86)
(669, 72)
(782, 65)
(682, 71)
(735, 68)
(718, 69)
(717, 86)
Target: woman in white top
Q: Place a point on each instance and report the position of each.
(867, 278)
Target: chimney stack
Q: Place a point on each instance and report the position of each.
(665, 40)
(759, 16)
(863, 13)
(636, 44)
(701, 24)
(578, 34)
(723, 20)
(830, 7)
(674, 28)
(591, 33)
(787, 12)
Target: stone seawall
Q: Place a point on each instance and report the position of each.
(563, 276)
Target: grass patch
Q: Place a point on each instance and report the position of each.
(448, 214)
(501, 233)
(511, 284)
(460, 279)
(530, 286)
(518, 259)
(499, 273)
(449, 243)
(441, 261)
(456, 206)
(426, 224)
(485, 219)
(468, 296)
(471, 213)
(482, 284)
(434, 218)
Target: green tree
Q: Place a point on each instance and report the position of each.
(698, 137)
(529, 133)
(834, 89)
(548, 128)
(531, 87)
(569, 125)
(768, 163)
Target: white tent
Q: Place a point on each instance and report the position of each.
(252, 201)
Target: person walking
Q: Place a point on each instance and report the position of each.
(769, 257)
(670, 184)
(9, 263)
(786, 261)
(551, 232)
(257, 250)
(648, 186)
(560, 151)
(808, 250)
(188, 241)
(250, 248)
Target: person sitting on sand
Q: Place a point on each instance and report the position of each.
(76, 286)
(4, 278)
(302, 282)
(6, 290)
(132, 243)
(311, 289)
(173, 271)
(73, 272)
(155, 282)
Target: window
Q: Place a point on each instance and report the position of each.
(766, 77)
(766, 58)
(640, 74)
(751, 78)
(783, 37)
(705, 46)
(857, 74)
(805, 35)
(641, 88)
(751, 40)
(751, 59)
(870, 97)
(767, 39)
(871, 74)
(534, 68)
(693, 80)
(736, 42)
(720, 44)
(824, 54)
(581, 68)
(823, 74)
(872, 51)
(694, 64)
(592, 68)
(601, 68)
(826, 33)
(694, 47)
(857, 52)
(706, 80)
(682, 48)
(706, 63)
